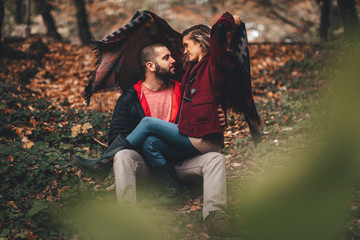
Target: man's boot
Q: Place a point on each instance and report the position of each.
(217, 223)
(169, 184)
(100, 167)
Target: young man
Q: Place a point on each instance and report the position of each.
(159, 96)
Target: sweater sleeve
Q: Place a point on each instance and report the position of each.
(220, 57)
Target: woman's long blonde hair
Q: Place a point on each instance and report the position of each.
(201, 34)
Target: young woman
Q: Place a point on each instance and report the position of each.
(198, 130)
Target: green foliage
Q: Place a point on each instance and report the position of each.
(37, 180)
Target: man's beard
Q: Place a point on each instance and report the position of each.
(163, 73)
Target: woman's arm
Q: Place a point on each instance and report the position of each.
(218, 42)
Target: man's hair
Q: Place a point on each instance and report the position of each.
(148, 54)
(201, 34)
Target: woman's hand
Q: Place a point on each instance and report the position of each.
(221, 115)
(237, 19)
(229, 34)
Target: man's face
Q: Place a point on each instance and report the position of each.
(165, 64)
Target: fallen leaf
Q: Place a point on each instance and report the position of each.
(185, 208)
(12, 204)
(75, 130)
(195, 208)
(197, 201)
(27, 143)
(204, 235)
(33, 121)
(86, 126)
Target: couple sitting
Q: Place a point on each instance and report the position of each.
(175, 127)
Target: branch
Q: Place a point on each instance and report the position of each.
(101, 143)
(285, 20)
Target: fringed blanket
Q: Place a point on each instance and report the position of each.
(239, 94)
(118, 68)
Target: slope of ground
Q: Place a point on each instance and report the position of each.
(45, 121)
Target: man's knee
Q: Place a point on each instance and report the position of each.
(127, 157)
(202, 165)
(215, 158)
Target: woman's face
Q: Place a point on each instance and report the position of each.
(192, 49)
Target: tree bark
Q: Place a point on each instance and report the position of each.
(349, 17)
(28, 22)
(83, 24)
(325, 19)
(2, 14)
(44, 9)
(19, 11)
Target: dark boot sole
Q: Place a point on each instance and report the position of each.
(97, 177)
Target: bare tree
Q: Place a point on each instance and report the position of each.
(28, 22)
(19, 11)
(349, 17)
(324, 18)
(44, 8)
(2, 14)
(83, 24)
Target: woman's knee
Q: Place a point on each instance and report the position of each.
(146, 121)
(151, 124)
(152, 153)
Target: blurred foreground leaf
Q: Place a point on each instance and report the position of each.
(310, 199)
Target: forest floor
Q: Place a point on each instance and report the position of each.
(45, 120)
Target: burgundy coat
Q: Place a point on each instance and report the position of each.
(202, 84)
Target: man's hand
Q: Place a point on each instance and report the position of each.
(237, 19)
(221, 115)
(150, 25)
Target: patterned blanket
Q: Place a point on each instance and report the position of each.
(117, 54)
(117, 65)
(239, 94)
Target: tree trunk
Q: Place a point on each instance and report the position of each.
(325, 19)
(19, 11)
(28, 22)
(2, 14)
(83, 24)
(349, 17)
(44, 9)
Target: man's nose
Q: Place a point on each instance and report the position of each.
(172, 60)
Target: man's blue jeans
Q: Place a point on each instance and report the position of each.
(160, 139)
